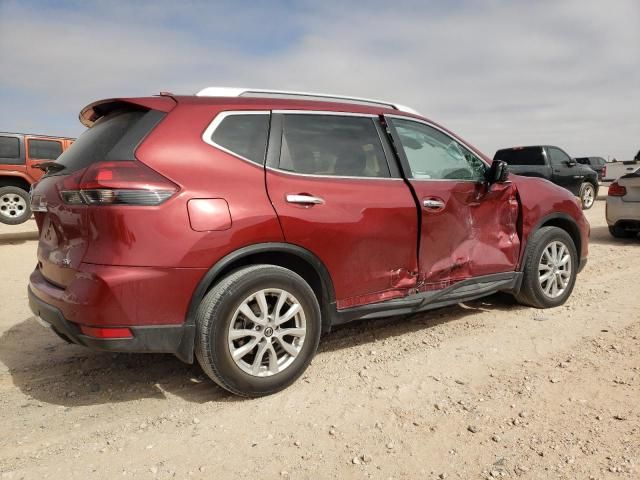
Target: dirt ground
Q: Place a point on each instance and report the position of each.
(488, 389)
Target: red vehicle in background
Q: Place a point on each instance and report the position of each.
(236, 226)
(20, 156)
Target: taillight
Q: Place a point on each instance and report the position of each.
(604, 171)
(617, 190)
(117, 183)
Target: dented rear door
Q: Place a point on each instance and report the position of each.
(468, 229)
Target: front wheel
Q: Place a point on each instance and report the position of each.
(14, 205)
(257, 330)
(550, 269)
(587, 195)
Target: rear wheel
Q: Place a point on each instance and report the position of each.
(257, 330)
(587, 195)
(620, 232)
(550, 269)
(14, 205)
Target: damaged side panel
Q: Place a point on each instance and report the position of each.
(467, 230)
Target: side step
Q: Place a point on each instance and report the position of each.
(463, 291)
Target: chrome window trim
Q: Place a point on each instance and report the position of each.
(207, 136)
(341, 114)
(441, 130)
(313, 175)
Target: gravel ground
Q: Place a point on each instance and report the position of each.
(487, 389)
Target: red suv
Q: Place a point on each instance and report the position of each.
(238, 225)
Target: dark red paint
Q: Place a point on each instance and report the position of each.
(120, 266)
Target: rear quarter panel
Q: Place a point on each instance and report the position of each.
(162, 236)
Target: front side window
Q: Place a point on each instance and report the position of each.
(332, 145)
(9, 150)
(558, 157)
(44, 149)
(434, 155)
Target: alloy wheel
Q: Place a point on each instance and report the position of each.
(267, 332)
(554, 269)
(12, 205)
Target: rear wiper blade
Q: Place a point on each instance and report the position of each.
(48, 167)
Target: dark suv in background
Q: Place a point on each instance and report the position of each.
(553, 163)
(238, 225)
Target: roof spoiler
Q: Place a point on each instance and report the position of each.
(96, 110)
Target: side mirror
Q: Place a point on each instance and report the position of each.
(498, 172)
(571, 163)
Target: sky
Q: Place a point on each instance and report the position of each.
(498, 73)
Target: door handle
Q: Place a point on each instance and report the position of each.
(433, 203)
(304, 199)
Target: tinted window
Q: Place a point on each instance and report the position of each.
(584, 161)
(558, 157)
(435, 155)
(113, 137)
(332, 145)
(9, 150)
(245, 135)
(521, 156)
(44, 149)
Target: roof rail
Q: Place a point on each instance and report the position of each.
(261, 92)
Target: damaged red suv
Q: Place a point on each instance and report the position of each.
(236, 226)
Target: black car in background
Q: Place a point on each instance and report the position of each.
(596, 163)
(553, 163)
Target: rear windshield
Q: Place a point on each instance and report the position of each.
(521, 156)
(112, 138)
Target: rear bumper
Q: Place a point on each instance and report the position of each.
(176, 339)
(620, 211)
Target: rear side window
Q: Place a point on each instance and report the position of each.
(9, 150)
(112, 138)
(332, 145)
(44, 149)
(243, 134)
(521, 156)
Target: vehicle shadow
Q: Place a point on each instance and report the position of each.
(601, 236)
(50, 370)
(17, 238)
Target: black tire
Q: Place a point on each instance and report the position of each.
(14, 205)
(618, 232)
(588, 194)
(531, 292)
(216, 312)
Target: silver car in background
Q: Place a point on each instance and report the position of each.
(623, 206)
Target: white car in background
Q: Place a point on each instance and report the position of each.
(623, 206)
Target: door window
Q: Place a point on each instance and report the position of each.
(434, 155)
(44, 149)
(332, 145)
(9, 150)
(558, 157)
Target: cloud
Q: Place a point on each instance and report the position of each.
(499, 73)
